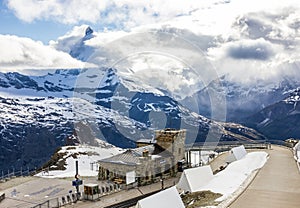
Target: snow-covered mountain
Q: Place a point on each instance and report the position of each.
(158, 59)
(73, 43)
(241, 100)
(38, 113)
(279, 120)
(191, 80)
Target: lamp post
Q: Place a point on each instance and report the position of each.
(77, 176)
(77, 182)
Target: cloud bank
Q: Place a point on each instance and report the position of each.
(246, 40)
(23, 53)
(126, 14)
(256, 50)
(120, 12)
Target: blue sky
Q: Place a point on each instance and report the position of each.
(39, 30)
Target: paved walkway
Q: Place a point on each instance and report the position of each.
(29, 191)
(276, 185)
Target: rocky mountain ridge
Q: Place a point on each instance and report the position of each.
(39, 120)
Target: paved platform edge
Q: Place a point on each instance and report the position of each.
(235, 195)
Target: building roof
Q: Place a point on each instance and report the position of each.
(91, 185)
(130, 156)
(139, 151)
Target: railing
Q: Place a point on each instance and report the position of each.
(282, 143)
(73, 197)
(58, 201)
(6, 175)
(227, 145)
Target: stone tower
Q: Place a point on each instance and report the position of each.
(173, 141)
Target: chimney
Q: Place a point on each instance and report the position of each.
(145, 153)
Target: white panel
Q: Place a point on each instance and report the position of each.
(230, 158)
(183, 184)
(138, 205)
(130, 177)
(297, 147)
(239, 152)
(168, 198)
(194, 178)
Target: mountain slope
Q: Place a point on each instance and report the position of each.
(279, 120)
(241, 100)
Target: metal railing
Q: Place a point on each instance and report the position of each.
(227, 145)
(6, 175)
(281, 143)
(72, 198)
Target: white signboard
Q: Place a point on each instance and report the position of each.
(130, 177)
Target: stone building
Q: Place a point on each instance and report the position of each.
(149, 162)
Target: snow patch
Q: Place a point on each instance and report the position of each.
(87, 157)
(229, 180)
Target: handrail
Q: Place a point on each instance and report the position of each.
(227, 145)
(14, 173)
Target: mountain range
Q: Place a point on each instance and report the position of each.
(39, 112)
(279, 120)
(121, 105)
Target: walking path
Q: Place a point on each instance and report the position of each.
(26, 192)
(276, 185)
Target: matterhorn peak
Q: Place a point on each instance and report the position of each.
(88, 31)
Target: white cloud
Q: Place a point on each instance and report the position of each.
(247, 61)
(67, 41)
(160, 71)
(211, 15)
(257, 50)
(125, 13)
(68, 12)
(23, 53)
(253, 39)
(261, 45)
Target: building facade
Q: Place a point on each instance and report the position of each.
(149, 162)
